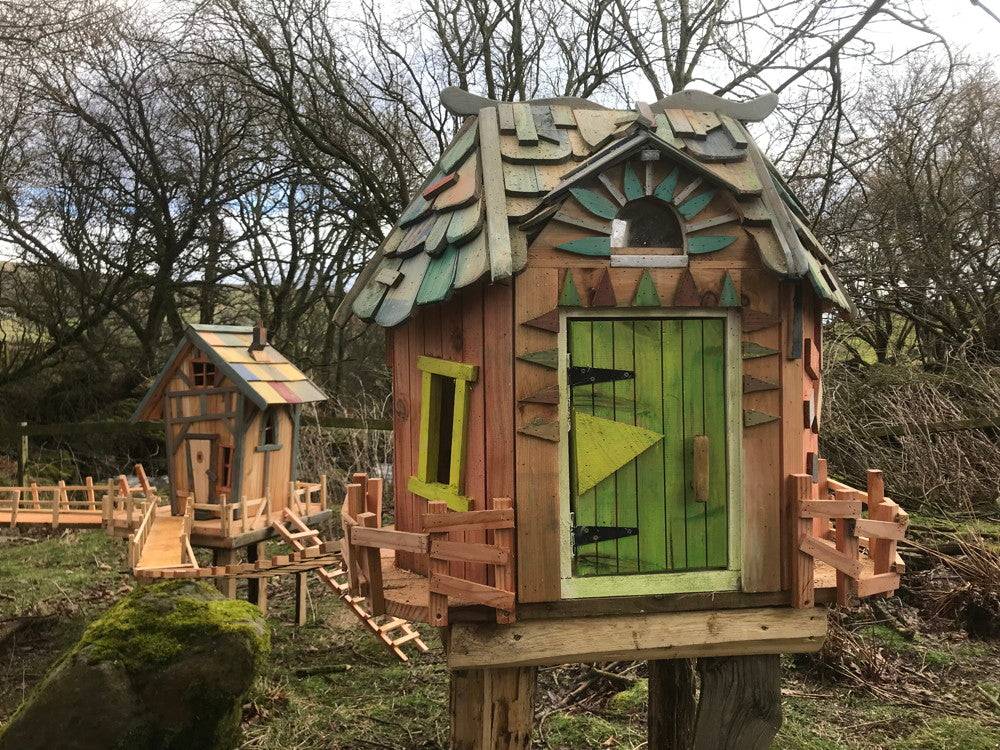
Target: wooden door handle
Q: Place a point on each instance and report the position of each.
(701, 468)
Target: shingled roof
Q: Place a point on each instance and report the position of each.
(510, 162)
(264, 375)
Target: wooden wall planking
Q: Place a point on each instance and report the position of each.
(537, 460)
(463, 329)
(762, 465)
(792, 432)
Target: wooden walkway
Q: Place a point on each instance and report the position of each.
(164, 547)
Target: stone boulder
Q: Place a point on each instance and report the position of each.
(167, 667)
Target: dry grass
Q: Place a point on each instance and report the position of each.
(945, 472)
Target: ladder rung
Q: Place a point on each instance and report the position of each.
(303, 534)
(412, 636)
(395, 622)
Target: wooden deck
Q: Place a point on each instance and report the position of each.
(407, 595)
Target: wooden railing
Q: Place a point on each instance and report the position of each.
(137, 539)
(187, 553)
(79, 499)
(814, 507)
(303, 494)
(497, 553)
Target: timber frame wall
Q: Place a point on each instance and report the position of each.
(222, 412)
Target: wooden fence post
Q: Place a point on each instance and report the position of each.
(847, 542)
(91, 498)
(803, 590)
(373, 567)
(373, 499)
(322, 492)
(438, 604)
(503, 575)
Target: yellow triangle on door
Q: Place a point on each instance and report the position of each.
(603, 446)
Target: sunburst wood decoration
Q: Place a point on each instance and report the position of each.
(689, 201)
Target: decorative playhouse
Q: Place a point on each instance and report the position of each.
(604, 330)
(231, 407)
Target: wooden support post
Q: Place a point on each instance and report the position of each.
(740, 703)
(355, 507)
(373, 499)
(35, 501)
(57, 497)
(91, 497)
(293, 499)
(879, 511)
(257, 587)
(22, 456)
(847, 542)
(822, 487)
(221, 557)
(671, 713)
(438, 604)
(301, 598)
(322, 492)
(803, 593)
(373, 567)
(15, 501)
(225, 520)
(492, 709)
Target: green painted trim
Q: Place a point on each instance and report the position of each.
(656, 583)
(753, 418)
(442, 493)
(456, 370)
(665, 190)
(708, 243)
(694, 206)
(598, 247)
(729, 297)
(753, 350)
(645, 292)
(594, 203)
(569, 295)
(545, 358)
(633, 188)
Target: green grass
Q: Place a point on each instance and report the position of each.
(363, 697)
(54, 568)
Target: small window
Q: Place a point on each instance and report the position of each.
(443, 411)
(225, 466)
(269, 430)
(647, 222)
(202, 373)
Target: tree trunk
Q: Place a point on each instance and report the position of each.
(492, 709)
(740, 704)
(671, 714)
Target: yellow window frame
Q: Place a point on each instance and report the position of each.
(424, 484)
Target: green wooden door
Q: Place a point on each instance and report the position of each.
(642, 390)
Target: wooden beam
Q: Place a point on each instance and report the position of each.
(662, 636)
(492, 708)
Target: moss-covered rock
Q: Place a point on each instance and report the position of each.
(165, 668)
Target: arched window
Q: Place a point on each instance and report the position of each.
(647, 222)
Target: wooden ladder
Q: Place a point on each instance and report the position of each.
(302, 537)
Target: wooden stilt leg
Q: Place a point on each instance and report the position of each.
(492, 709)
(740, 703)
(257, 587)
(671, 714)
(301, 598)
(222, 557)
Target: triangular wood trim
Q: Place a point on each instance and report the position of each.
(547, 395)
(569, 295)
(756, 385)
(603, 294)
(545, 322)
(546, 429)
(687, 291)
(545, 358)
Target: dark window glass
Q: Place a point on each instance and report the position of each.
(649, 222)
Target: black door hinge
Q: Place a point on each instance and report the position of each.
(592, 534)
(590, 375)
